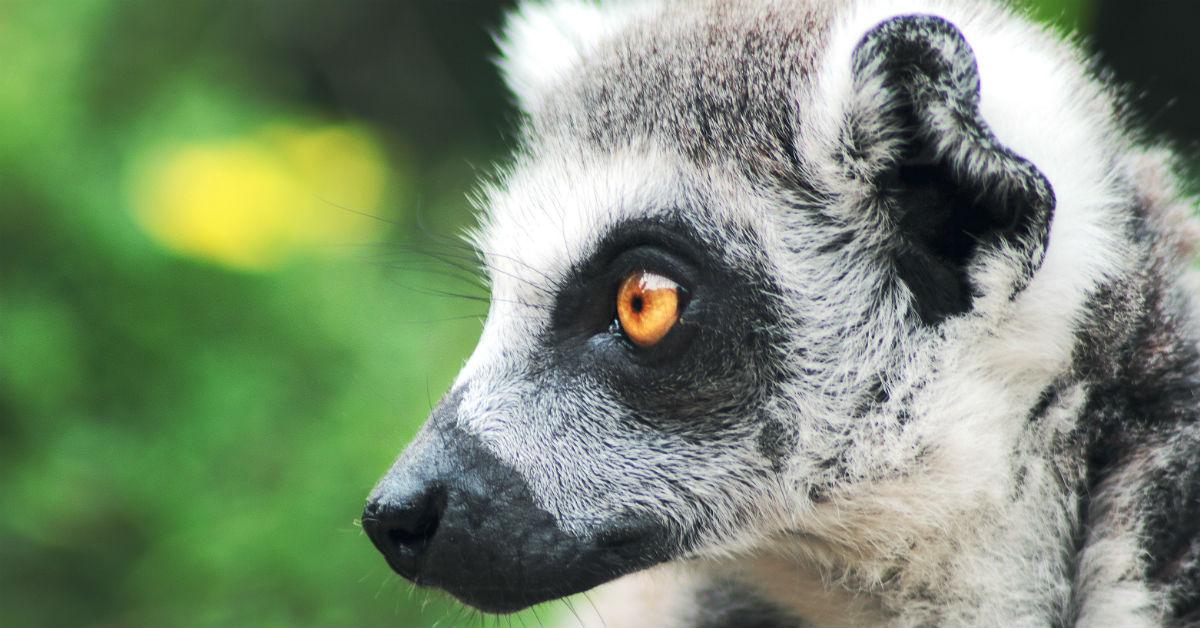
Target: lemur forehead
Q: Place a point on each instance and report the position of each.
(688, 100)
(551, 214)
(709, 79)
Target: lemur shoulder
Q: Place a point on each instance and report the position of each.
(818, 313)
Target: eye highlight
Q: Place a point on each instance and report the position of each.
(648, 307)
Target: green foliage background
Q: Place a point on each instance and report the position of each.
(183, 443)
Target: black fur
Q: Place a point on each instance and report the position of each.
(776, 442)
(728, 604)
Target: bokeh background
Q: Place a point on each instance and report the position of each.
(227, 233)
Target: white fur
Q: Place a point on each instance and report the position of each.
(544, 41)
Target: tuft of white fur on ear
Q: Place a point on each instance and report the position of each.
(542, 41)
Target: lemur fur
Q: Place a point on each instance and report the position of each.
(939, 361)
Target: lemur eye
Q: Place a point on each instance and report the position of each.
(647, 307)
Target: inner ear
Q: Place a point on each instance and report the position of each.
(935, 211)
(953, 189)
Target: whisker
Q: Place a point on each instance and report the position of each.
(357, 212)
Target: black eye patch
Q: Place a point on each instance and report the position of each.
(586, 303)
(716, 356)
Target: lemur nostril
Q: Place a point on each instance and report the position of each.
(416, 530)
(403, 525)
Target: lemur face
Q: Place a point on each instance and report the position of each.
(714, 264)
(615, 414)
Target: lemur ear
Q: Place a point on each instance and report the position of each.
(955, 192)
(543, 40)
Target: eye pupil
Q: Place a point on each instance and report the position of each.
(637, 304)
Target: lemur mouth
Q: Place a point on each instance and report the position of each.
(451, 515)
(505, 587)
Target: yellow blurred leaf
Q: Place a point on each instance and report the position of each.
(258, 201)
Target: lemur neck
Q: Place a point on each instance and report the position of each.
(798, 591)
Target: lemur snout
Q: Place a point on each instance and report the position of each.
(451, 514)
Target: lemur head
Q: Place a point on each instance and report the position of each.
(752, 264)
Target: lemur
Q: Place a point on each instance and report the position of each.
(817, 313)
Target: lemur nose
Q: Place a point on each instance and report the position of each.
(402, 525)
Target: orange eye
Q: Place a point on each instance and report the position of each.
(647, 307)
